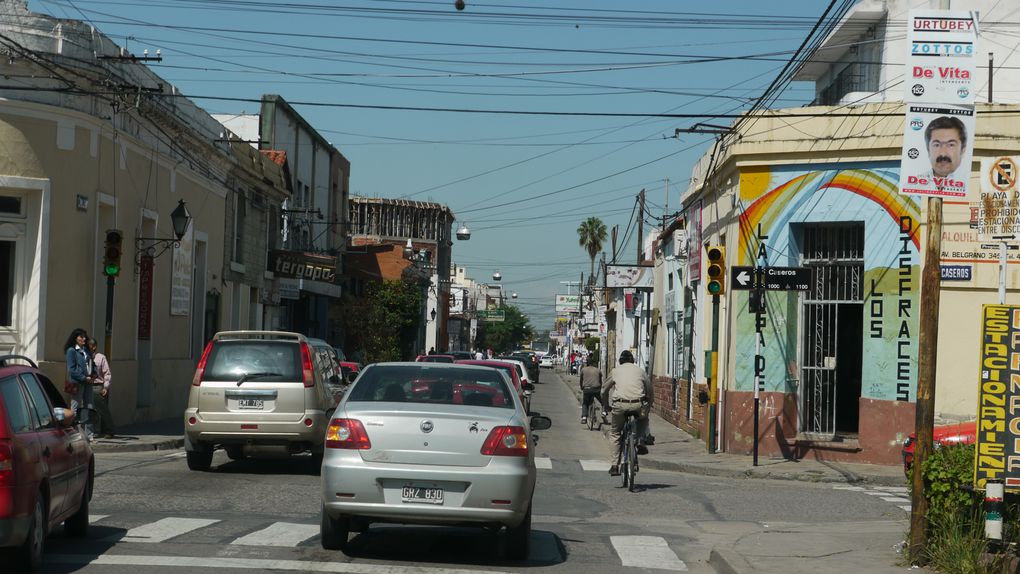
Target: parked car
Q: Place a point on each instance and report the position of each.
(426, 443)
(547, 361)
(511, 370)
(328, 363)
(944, 435)
(530, 361)
(434, 359)
(350, 370)
(46, 464)
(256, 390)
(461, 355)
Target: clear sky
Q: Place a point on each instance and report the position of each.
(521, 182)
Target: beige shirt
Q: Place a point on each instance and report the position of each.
(591, 378)
(628, 382)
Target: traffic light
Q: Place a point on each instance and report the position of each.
(111, 252)
(716, 269)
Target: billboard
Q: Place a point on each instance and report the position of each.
(998, 426)
(937, 143)
(940, 64)
(629, 276)
(568, 304)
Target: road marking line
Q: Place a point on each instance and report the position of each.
(895, 499)
(906, 507)
(897, 489)
(877, 493)
(845, 487)
(543, 462)
(646, 552)
(599, 465)
(163, 529)
(176, 455)
(94, 518)
(279, 534)
(250, 564)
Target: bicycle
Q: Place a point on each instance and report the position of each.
(627, 460)
(594, 414)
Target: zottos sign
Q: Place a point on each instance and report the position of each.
(998, 426)
(298, 265)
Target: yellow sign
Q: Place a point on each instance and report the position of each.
(998, 426)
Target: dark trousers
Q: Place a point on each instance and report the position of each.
(586, 399)
(104, 420)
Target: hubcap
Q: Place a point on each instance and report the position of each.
(37, 532)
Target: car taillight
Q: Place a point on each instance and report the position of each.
(506, 441)
(347, 433)
(200, 370)
(306, 365)
(6, 463)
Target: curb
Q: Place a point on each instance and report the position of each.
(170, 443)
(726, 561)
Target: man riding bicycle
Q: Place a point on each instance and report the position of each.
(630, 390)
(591, 387)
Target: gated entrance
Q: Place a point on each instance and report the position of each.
(832, 329)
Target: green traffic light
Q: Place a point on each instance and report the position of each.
(111, 270)
(714, 287)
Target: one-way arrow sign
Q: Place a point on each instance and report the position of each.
(774, 278)
(742, 277)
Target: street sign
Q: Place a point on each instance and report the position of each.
(495, 315)
(774, 278)
(998, 212)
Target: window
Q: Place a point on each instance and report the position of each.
(433, 385)
(15, 405)
(228, 360)
(41, 406)
(7, 275)
(10, 205)
(240, 210)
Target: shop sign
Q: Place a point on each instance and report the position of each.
(997, 456)
(300, 265)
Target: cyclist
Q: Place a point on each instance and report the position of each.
(631, 392)
(591, 387)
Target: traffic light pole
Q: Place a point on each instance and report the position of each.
(108, 342)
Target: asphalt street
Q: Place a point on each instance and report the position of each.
(261, 515)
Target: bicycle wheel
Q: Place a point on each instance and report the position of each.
(625, 469)
(592, 414)
(631, 457)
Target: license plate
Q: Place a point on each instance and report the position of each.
(419, 495)
(253, 404)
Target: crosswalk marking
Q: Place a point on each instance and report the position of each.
(597, 465)
(894, 489)
(543, 462)
(894, 499)
(195, 562)
(894, 494)
(646, 552)
(279, 534)
(848, 487)
(165, 529)
(905, 507)
(94, 518)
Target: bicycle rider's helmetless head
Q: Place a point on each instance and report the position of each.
(626, 357)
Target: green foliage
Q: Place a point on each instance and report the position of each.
(590, 235)
(384, 321)
(948, 473)
(592, 344)
(508, 334)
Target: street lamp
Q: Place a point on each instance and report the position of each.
(408, 249)
(497, 276)
(463, 233)
(153, 247)
(513, 295)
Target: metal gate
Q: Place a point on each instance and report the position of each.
(835, 253)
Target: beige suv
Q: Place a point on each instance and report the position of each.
(256, 391)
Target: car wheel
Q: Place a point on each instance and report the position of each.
(333, 532)
(234, 452)
(29, 555)
(200, 458)
(518, 539)
(78, 524)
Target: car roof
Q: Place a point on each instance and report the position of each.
(260, 335)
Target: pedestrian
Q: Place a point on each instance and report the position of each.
(104, 425)
(491, 354)
(591, 387)
(479, 355)
(432, 350)
(631, 392)
(79, 375)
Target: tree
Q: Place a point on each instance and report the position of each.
(590, 234)
(384, 322)
(506, 335)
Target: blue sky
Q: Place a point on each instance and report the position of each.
(522, 183)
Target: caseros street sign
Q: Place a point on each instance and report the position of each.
(774, 278)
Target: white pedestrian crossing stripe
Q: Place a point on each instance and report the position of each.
(895, 494)
(279, 534)
(165, 529)
(646, 552)
(596, 465)
(94, 518)
(543, 462)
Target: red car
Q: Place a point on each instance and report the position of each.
(945, 435)
(511, 371)
(46, 464)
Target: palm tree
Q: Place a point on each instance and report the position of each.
(591, 233)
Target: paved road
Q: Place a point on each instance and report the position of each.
(262, 515)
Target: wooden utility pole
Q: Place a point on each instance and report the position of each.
(641, 226)
(927, 361)
(616, 231)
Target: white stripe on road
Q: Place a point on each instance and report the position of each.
(877, 493)
(163, 529)
(94, 518)
(279, 534)
(646, 552)
(599, 465)
(895, 489)
(906, 507)
(543, 462)
(176, 455)
(895, 499)
(845, 487)
(250, 564)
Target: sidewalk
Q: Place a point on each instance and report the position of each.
(165, 434)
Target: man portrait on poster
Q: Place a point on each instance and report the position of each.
(946, 139)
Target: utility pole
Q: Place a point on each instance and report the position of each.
(616, 231)
(927, 358)
(640, 226)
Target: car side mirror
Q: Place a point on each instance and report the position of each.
(528, 387)
(540, 422)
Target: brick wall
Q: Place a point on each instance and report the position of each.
(665, 394)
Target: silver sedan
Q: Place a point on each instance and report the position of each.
(430, 443)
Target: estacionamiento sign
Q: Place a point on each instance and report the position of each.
(998, 426)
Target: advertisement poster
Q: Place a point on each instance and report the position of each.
(998, 424)
(180, 287)
(937, 143)
(998, 211)
(693, 215)
(940, 64)
(629, 276)
(566, 304)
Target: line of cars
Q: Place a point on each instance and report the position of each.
(425, 442)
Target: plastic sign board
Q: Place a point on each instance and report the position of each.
(937, 143)
(773, 278)
(940, 64)
(568, 304)
(998, 211)
(496, 316)
(997, 456)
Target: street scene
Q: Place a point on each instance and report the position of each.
(461, 286)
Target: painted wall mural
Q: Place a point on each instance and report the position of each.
(778, 200)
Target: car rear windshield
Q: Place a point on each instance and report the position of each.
(433, 385)
(278, 361)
